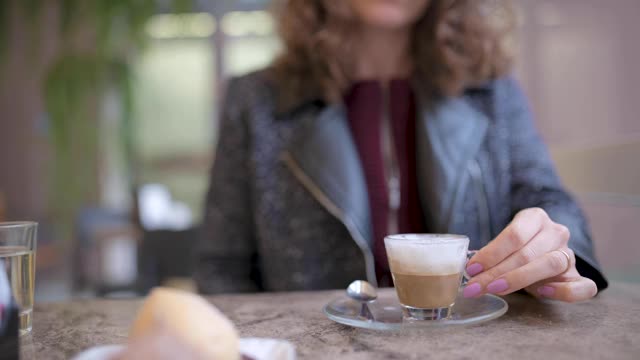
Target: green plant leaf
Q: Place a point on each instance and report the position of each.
(123, 83)
(31, 8)
(69, 11)
(74, 83)
(5, 8)
(182, 6)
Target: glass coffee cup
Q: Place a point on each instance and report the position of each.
(427, 271)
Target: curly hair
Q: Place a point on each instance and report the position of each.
(456, 44)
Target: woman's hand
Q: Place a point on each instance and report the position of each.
(532, 254)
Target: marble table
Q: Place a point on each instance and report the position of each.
(607, 327)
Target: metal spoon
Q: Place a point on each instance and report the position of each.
(364, 293)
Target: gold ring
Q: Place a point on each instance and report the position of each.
(568, 259)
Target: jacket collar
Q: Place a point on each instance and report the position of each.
(324, 150)
(286, 105)
(449, 133)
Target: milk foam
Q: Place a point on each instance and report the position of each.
(441, 256)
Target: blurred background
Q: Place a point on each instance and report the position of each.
(108, 125)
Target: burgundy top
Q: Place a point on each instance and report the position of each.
(364, 109)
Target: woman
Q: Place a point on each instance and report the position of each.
(388, 116)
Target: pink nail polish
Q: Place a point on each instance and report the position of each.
(497, 286)
(472, 290)
(546, 291)
(474, 269)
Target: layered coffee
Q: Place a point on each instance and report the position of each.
(426, 291)
(426, 269)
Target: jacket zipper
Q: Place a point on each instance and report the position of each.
(334, 210)
(390, 160)
(475, 171)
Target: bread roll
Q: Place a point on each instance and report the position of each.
(196, 323)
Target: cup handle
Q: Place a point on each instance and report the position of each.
(465, 275)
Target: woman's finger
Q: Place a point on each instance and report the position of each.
(571, 275)
(550, 238)
(551, 264)
(570, 291)
(524, 227)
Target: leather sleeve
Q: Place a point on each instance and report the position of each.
(225, 254)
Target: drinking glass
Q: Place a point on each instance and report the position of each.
(17, 256)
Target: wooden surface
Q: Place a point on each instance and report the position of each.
(607, 327)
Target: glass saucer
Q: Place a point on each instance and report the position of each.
(385, 313)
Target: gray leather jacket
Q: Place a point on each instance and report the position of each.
(287, 207)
